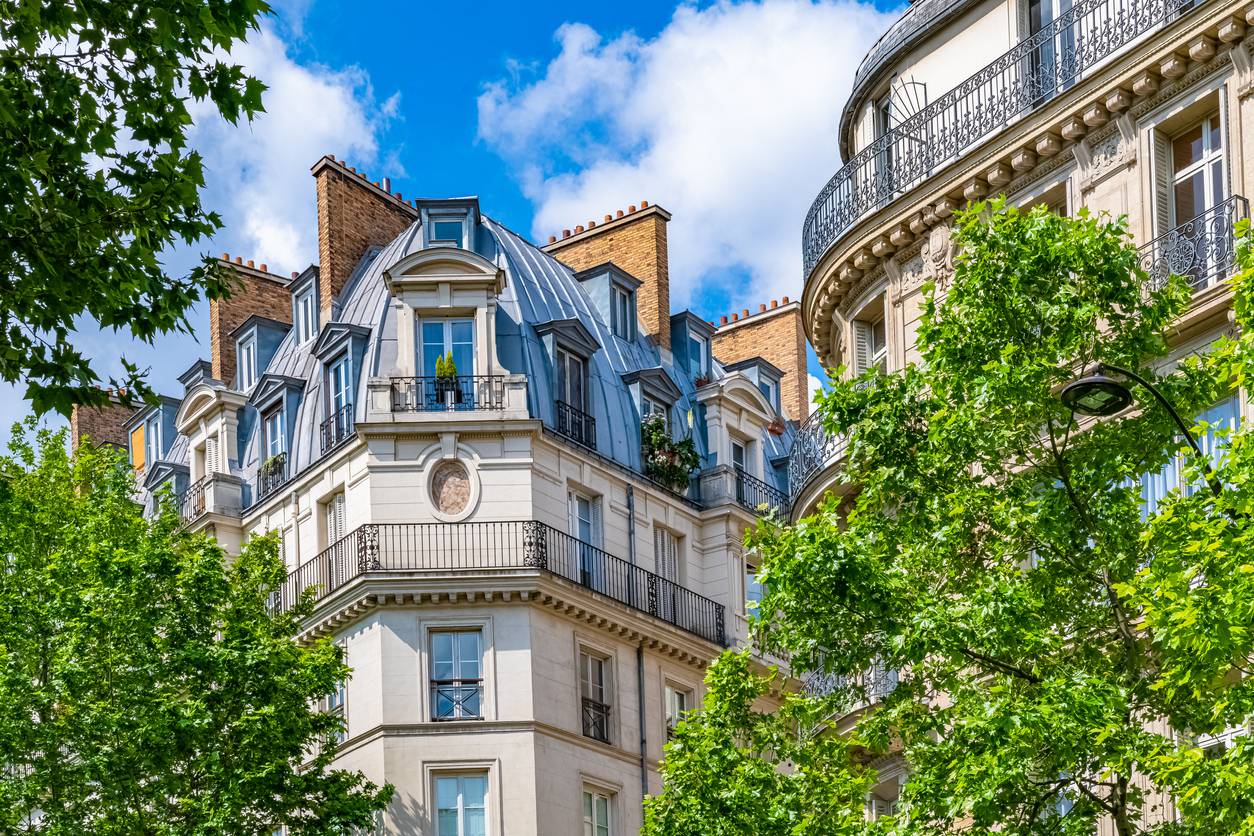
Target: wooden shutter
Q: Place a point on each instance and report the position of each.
(666, 554)
(1163, 214)
(598, 531)
(211, 455)
(336, 522)
(861, 346)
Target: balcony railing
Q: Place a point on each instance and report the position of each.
(596, 720)
(577, 425)
(1203, 250)
(337, 428)
(758, 496)
(455, 547)
(463, 393)
(192, 501)
(868, 688)
(457, 699)
(813, 449)
(1021, 80)
(272, 475)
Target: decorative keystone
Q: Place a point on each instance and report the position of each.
(1173, 66)
(1146, 84)
(1023, 160)
(998, 175)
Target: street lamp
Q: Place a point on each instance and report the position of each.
(1101, 395)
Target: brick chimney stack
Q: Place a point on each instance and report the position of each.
(354, 214)
(635, 241)
(102, 424)
(259, 292)
(775, 334)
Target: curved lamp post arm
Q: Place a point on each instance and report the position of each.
(1185, 429)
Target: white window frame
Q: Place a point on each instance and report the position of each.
(592, 824)
(459, 219)
(649, 405)
(566, 361)
(1210, 125)
(456, 661)
(340, 382)
(152, 439)
(460, 776)
(751, 584)
(274, 432)
(335, 511)
(446, 323)
(591, 660)
(623, 312)
(771, 392)
(673, 712)
(703, 362)
(246, 361)
(306, 310)
(743, 447)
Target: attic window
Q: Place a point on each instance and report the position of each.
(246, 352)
(306, 305)
(770, 391)
(623, 312)
(446, 231)
(698, 348)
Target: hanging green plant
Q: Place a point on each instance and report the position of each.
(666, 460)
(272, 465)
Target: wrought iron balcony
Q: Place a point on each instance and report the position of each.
(1030, 74)
(441, 548)
(813, 449)
(337, 428)
(867, 688)
(272, 474)
(596, 720)
(457, 699)
(758, 496)
(1203, 249)
(192, 500)
(463, 393)
(576, 425)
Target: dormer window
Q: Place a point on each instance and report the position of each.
(246, 361)
(306, 311)
(572, 376)
(273, 428)
(446, 232)
(623, 312)
(770, 390)
(698, 355)
(651, 406)
(152, 439)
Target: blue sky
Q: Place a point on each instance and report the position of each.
(724, 113)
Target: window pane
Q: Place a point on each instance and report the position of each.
(447, 231)
(442, 656)
(468, 655)
(432, 346)
(1190, 197)
(576, 383)
(1187, 149)
(1216, 137)
(1218, 192)
(462, 339)
(474, 792)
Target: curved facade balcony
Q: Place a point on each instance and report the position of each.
(1018, 82)
(813, 458)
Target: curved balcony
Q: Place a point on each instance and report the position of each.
(814, 450)
(1032, 73)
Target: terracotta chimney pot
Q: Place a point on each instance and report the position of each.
(250, 262)
(774, 303)
(722, 320)
(608, 218)
(591, 224)
(784, 300)
(565, 233)
(295, 274)
(735, 317)
(631, 210)
(644, 204)
(578, 228)
(264, 268)
(745, 313)
(239, 259)
(552, 239)
(762, 308)
(620, 213)
(226, 256)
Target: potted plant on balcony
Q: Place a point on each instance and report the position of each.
(666, 460)
(446, 389)
(270, 473)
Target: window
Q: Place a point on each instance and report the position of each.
(1222, 418)
(648, 406)
(571, 380)
(883, 116)
(1053, 59)
(698, 347)
(441, 337)
(138, 448)
(152, 439)
(666, 563)
(461, 803)
(753, 589)
(339, 383)
(446, 232)
(246, 354)
(274, 439)
(336, 703)
(623, 313)
(678, 704)
(596, 813)
(594, 691)
(306, 315)
(585, 527)
(1197, 170)
(335, 515)
(456, 675)
(738, 455)
(770, 391)
(870, 336)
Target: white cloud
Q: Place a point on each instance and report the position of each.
(816, 388)
(728, 118)
(258, 174)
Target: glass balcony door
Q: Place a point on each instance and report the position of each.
(440, 338)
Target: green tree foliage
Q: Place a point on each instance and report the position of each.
(1063, 656)
(145, 686)
(96, 179)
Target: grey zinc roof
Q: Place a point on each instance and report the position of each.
(538, 289)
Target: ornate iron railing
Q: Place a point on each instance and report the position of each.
(813, 449)
(758, 496)
(192, 500)
(272, 474)
(866, 688)
(1021, 80)
(452, 547)
(457, 699)
(577, 425)
(596, 720)
(1203, 249)
(462, 393)
(337, 428)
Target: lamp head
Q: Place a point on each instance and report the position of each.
(1097, 394)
